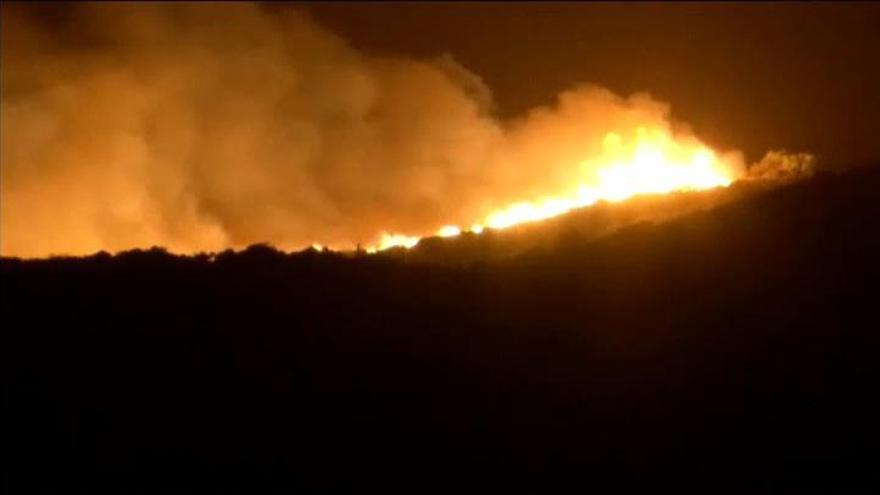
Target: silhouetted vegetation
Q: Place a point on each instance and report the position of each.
(733, 349)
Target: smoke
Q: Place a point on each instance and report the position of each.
(782, 167)
(201, 127)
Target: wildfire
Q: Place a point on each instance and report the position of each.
(394, 240)
(651, 163)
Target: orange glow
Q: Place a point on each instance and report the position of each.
(394, 240)
(449, 231)
(652, 162)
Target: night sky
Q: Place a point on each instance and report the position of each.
(202, 126)
(756, 76)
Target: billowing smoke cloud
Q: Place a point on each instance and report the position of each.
(201, 127)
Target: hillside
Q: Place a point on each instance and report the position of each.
(729, 349)
(581, 225)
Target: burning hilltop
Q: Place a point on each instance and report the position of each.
(129, 126)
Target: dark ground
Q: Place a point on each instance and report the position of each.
(733, 350)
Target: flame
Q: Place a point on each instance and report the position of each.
(394, 240)
(449, 231)
(652, 163)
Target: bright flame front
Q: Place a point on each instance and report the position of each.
(653, 162)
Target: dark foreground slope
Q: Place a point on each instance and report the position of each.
(731, 350)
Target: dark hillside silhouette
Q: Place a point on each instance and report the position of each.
(728, 350)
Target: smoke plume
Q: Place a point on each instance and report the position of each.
(201, 127)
